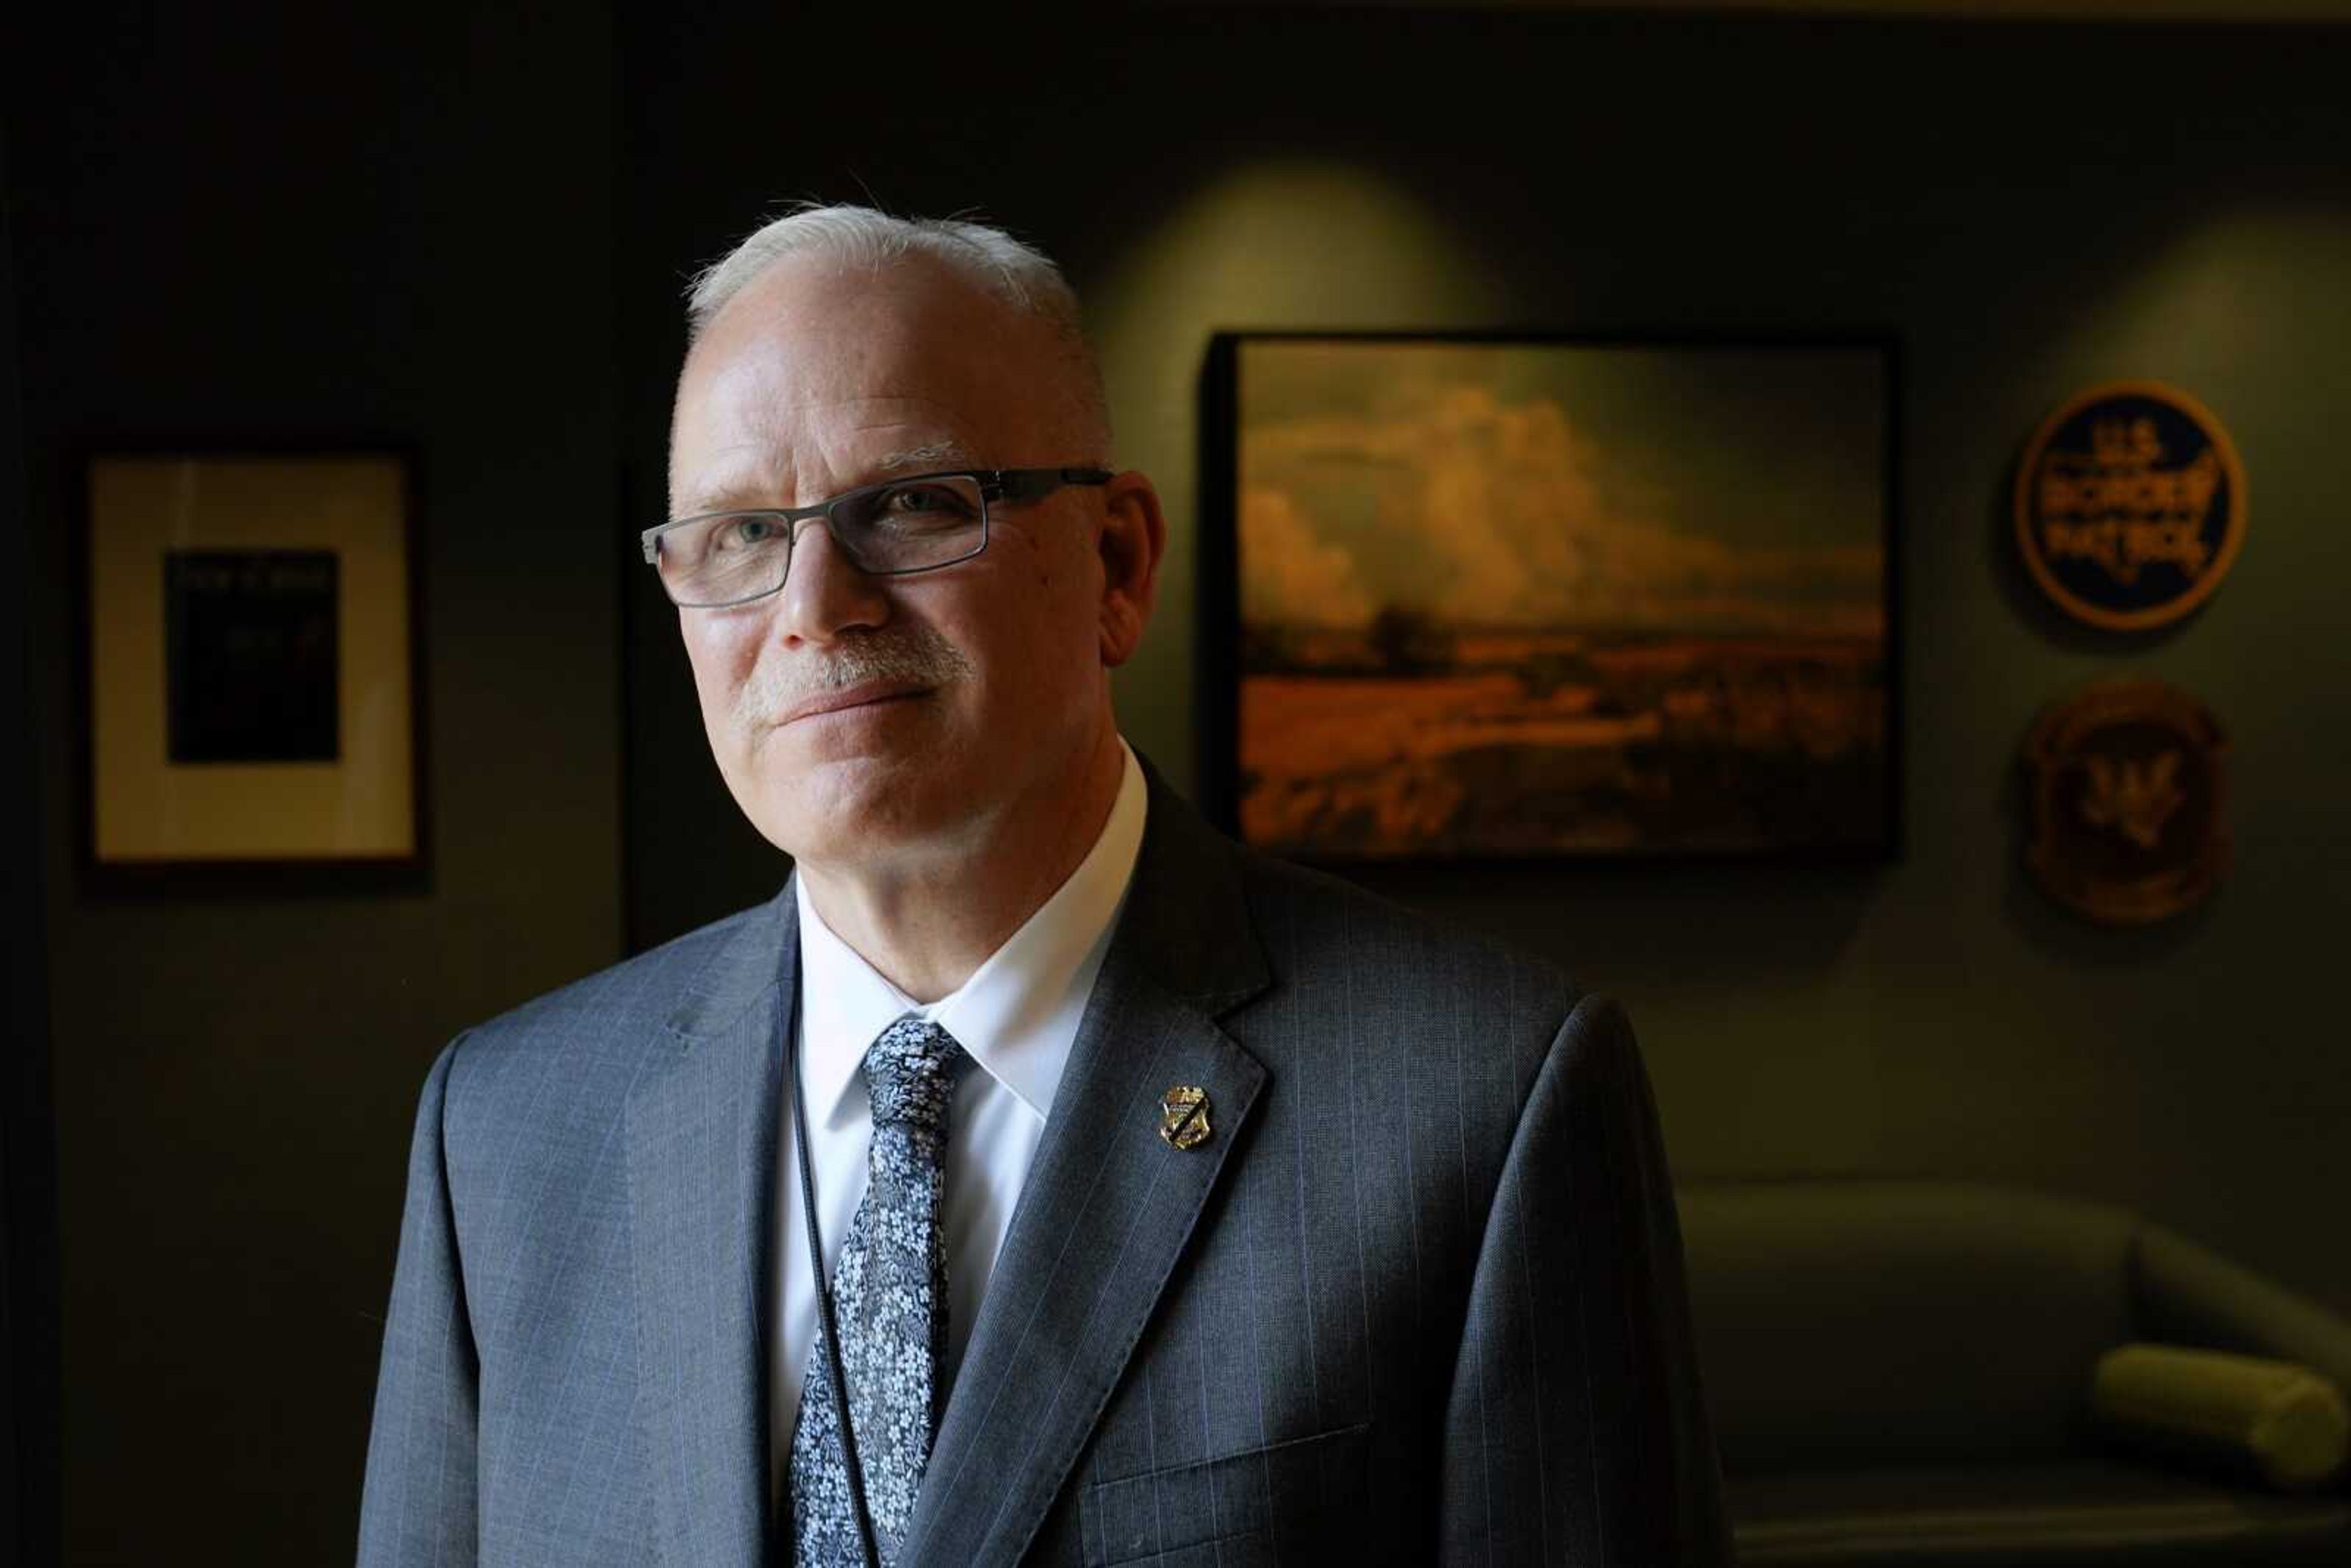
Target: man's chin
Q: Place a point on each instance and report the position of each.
(862, 805)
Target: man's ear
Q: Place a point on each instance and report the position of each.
(1133, 538)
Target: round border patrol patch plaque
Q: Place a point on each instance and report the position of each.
(2130, 505)
(2126, 797)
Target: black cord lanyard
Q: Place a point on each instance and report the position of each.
(827, 1325)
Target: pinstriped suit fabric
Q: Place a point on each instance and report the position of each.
(522, 1136)
(1436, 1313)
(1418, 1299)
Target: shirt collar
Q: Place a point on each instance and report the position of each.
(1016, 1016)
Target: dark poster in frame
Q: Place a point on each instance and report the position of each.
(1500, 596)
(249, 667)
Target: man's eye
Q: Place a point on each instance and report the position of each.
(923, 503)
(745, 533)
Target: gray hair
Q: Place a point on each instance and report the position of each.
(1018, 275)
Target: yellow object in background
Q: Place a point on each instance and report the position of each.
(2287, 1422)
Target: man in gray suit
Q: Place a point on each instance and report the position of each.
(1172, 1204)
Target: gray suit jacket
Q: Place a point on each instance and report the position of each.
(1417, 1298)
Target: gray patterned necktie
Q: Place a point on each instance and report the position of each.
(890, 1298)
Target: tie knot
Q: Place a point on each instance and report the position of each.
(910, 1072)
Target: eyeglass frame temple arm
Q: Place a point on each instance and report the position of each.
(1031, 484)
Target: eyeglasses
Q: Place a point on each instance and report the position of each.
(919, 523)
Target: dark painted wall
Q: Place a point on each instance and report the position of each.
(280, 225)
(28, 1308)
(475, 235)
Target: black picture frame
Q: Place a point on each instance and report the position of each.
(357, 500)
(1869, 791)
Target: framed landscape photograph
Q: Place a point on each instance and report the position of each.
(248, 668)
(1496, 596)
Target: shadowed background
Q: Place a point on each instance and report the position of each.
(472, 234)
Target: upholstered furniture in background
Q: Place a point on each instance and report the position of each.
(1900, 1372)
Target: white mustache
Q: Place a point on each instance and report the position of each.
(780, 682)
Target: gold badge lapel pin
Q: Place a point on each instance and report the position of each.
(1184, 1117)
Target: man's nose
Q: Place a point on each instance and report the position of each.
(825, 593)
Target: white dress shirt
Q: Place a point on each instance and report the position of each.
(1017, 1017)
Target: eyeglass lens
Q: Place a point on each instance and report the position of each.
(731, 557)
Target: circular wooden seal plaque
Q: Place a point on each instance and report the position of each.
(2130, 505)
(2127, 797)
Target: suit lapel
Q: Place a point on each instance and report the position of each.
(701, 1128)
(1108, 1205)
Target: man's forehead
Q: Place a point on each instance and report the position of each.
(770, 469)
(760, 414)
(818, 379)
(862, 313)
